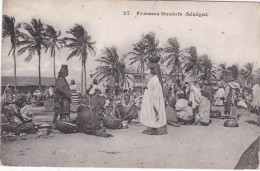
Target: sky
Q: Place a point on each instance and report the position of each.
(229, 34)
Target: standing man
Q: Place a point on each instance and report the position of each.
(62, 95)
(231, 93)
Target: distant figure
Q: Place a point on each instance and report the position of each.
(219, 96)
(204, 109)
(62, 96)
(93, 91)
(256, 95)
(7, 97)
(38, 95)
(74, 99)
(231, 94)
(256, 99)
(93, 88)
(195, 98)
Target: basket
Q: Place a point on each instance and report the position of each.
(112, 122)
(231, 123)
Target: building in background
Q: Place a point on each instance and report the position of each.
(26, 84)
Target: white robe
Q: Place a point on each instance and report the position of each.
(204, 110)
(195, 96)
(256, 95)
(153, 98)
(219, 94)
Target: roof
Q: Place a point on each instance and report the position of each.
(27, 81)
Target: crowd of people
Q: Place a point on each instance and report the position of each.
(181, 103)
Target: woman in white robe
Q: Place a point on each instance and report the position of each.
(256, 95)
(153, 113)
(219, 97)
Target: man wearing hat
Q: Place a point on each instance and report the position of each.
(62, 95)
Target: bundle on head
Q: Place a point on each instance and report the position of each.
(154, 58)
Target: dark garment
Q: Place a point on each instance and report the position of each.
(249, 159)
(61, 99)
(206, 94)
(89, 123)
(171, 116)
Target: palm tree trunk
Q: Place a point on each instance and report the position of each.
(85, 77)
(15, 83)
(54, 72)
(82, 79)
(40, 83)
(142, 77)
(54, 65)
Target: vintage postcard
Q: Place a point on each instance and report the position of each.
(130, 84)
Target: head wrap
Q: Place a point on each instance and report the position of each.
(157, 70)
(63, 69)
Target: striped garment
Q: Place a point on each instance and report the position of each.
(75, 95)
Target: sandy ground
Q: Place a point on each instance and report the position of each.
(212, 147)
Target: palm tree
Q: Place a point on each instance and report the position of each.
(173, 56)
(151, 44)
(113, 71)
(139, 55)
(207, 70)
(80, 45)
(33, 42)
(10, 29)
(53, 42)
(193, 62)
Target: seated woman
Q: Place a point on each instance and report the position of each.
(184, 111)
(126, 110)
(89, 121)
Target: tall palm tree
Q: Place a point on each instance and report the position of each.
(139, 55)
(34, 42)
(10, 29)
(151, 44)
(80, 45)
(53, 42)
(113, 69)
(207, 70)
(173, 56)
(193, 62)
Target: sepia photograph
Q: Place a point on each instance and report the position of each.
(130, 84)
